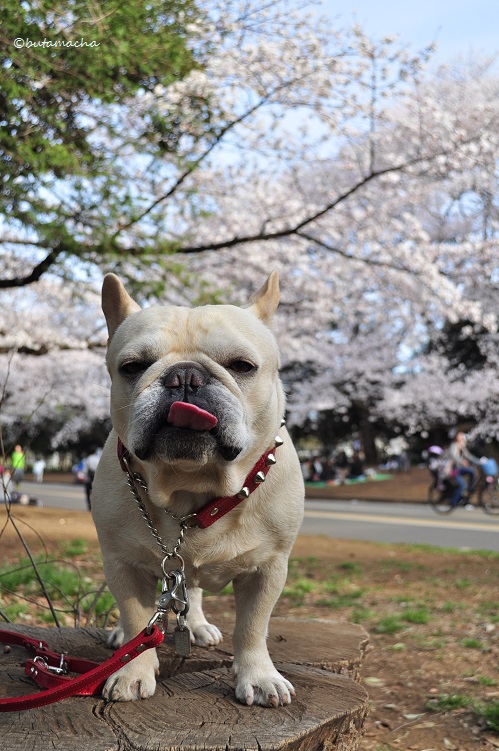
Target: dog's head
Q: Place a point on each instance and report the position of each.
(193, 386)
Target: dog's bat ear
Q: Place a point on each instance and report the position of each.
(116, 303)
(264, 302)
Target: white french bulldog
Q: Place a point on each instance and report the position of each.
(196, 401)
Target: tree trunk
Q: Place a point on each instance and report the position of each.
(194, 706)
(367, 435)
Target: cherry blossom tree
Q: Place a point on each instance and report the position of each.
(366, 179)
(53, 382)
(280, 89)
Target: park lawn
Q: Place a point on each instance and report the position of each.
(432, 616)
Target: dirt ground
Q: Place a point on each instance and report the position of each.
(432, 616)
(409, 486)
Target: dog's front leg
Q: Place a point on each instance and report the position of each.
(134, 591)
(257, 680)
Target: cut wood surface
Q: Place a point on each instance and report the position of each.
(194, 706)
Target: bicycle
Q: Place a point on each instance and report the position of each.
(486, 492)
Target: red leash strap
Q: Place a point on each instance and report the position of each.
(47, 668)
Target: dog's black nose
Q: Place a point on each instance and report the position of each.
(185, 376)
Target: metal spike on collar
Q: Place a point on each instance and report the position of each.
(260, 476)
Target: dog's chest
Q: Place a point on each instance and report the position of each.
(214, 577)
(212, 560)
(215, 556)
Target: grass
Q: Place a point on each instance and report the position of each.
(99, 603)
(425, 609)
(60, 579)
(449, 702)
(20, 576)
(486, 681)
(344, 600)
(487, 712)
(14, 610)
(351, 566)
(420, 615)
(472, 643)
(360, 614)
(76, 596)
(411, 604)
(297, 591)
(74, 548)
(443, 551)
(390, 624)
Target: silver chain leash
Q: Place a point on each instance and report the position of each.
(174, 595)
(134, 479)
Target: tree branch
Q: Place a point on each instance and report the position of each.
(223, 131)
(294, 229)
(350, 257)
(36, 273)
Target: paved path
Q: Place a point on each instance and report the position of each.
(351, 520)
(401, 522)
(57, 495)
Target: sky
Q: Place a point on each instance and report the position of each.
(457, 26)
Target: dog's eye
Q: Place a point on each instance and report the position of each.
(241, 366)
(134, 367)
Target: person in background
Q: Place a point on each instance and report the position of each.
(317, 469)
(356, 467)
(18, 462)
(461, 460)
(38, 469)
(306, 470)
(90, 465)
(341, 461)
(329, 471)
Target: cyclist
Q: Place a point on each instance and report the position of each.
(461, 460)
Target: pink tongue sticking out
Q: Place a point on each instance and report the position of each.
(183, 415)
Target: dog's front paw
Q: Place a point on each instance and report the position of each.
(130, 683)
(206, 635)
(268, 689)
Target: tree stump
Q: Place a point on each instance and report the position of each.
(194, 707)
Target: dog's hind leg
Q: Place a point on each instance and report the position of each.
(203, 634)
(117, 636)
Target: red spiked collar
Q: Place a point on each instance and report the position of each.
(218, 507)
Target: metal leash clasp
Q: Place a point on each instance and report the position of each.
(180, 596)
(61, 670)
(174, 595)
(160, 617)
